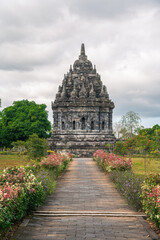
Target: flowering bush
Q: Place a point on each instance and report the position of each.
(110, 161)
(120, 148)
(99, 155)
(125, 180)
(57, 161)
(20, 191)
(144, 195)
(9, 192)
(53, 160)
(151, 197)
(16, 175)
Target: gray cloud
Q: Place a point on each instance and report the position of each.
(39, 40)
(106, 9)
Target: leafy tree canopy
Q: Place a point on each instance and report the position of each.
(21, 120)
(151, 132)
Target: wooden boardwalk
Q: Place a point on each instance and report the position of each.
(85, 205)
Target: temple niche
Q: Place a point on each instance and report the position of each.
(82, 111)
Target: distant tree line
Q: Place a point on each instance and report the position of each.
(146, 142)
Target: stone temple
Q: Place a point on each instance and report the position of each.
(82, 111)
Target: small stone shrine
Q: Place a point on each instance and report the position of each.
(82, 111)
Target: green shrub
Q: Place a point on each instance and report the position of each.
(120, 148)
(36, 147)
(47, 179)
(129, 186)
(3, 152)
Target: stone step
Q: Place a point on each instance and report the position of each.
(87, 213)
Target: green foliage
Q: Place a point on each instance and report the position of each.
(21, 120)
(129, 186)
(143, 144)
(151, 132)
(109, 147)
(3, 152)
(47, 178)
(139, 144)
(151, 198)
(36, 147)
(153, 179)
(120, 148)
(36, 198)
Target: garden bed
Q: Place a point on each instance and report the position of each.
(143, 194)
(23, 189)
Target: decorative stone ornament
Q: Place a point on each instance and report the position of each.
(82, 111)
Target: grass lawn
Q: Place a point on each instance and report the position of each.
(12, 160)
(152, 166)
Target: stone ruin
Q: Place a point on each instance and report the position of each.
(82, 111)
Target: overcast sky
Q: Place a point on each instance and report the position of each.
(39, 39)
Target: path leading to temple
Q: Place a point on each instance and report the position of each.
(85, 205)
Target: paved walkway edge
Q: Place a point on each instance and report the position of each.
(150, 231)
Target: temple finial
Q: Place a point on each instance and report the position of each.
(83, 49)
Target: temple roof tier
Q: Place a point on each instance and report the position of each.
(82, 81)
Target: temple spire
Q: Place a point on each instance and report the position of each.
(83, 49)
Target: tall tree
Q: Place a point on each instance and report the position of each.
(21, 120)
(131, 124)
(117, 127)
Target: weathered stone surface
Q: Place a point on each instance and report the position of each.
(82, 111)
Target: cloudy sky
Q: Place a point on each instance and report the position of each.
(39, 39)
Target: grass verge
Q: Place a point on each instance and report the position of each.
(12, 160)
(152, 166)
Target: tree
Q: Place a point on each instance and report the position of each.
(156, 139)
(36, 147)
(21, 120)
(154, 135)
(120, 148)
(130, 124)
